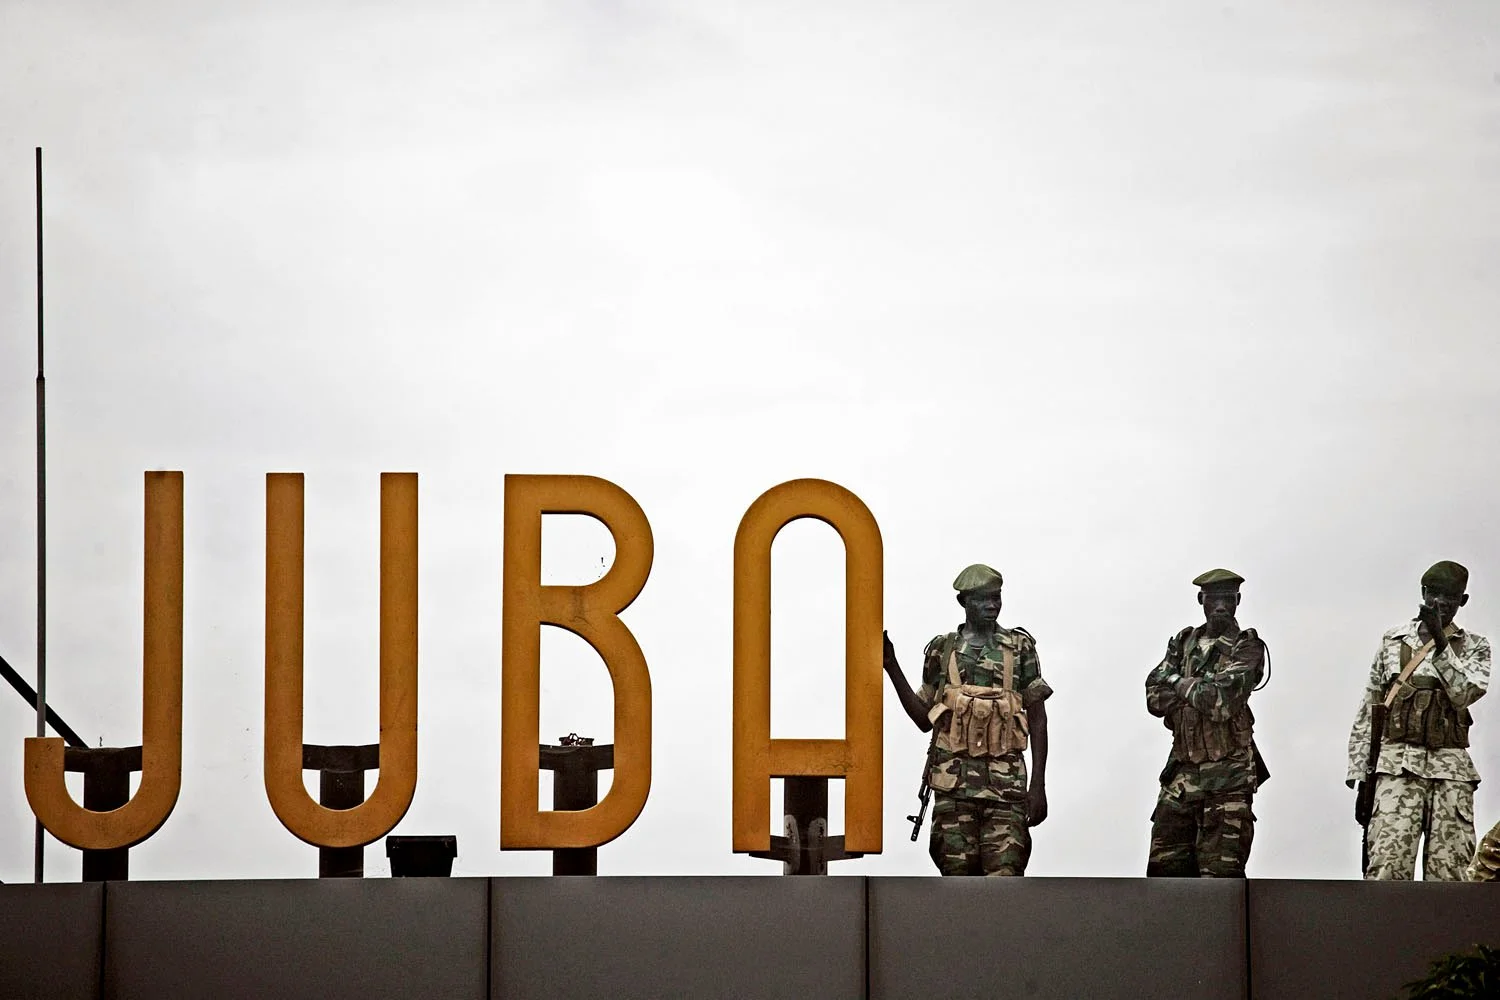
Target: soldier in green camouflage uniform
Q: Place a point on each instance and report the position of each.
(983, 697)
(1424, 778)
(1203, 826)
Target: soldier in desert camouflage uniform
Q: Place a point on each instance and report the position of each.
(1486, 864)
(1425, 778)
(982, 690)
(1203, 826)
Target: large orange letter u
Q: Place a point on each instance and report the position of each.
(376, 816)
(161, 705)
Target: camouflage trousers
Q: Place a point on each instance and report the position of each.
(1433, 812)
(1200, 834)
(979, 836)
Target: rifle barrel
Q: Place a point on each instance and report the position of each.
(25, 691)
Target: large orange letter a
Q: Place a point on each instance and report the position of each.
(857, 758)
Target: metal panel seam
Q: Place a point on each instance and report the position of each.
(865, 892)
(1249, 946)
(103, 938)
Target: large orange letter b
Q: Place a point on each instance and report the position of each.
(592, 612)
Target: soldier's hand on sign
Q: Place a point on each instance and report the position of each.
(1036, 806)
(888, 653)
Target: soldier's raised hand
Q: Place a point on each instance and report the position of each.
(888, 652)
(1429, 616)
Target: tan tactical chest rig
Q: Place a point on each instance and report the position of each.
(1420, 712)
(982, 721)
(1196, 737)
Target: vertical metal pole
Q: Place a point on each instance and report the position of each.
(341, 785)
(805, 801)
(41, 506)
(341, 790)
(106, 788)
(575, 785)
(106, 785)
(575, 768)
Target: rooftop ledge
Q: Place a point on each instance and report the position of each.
(733, 936)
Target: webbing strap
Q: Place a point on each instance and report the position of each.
(1007, 674)
(1412, 664)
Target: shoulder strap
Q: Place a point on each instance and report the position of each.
(1008, 667)
(947, 653)
(1265, 654)
(1408, 665)
(944, 646)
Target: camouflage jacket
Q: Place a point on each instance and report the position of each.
(991, 779)
(1464, 671)
(1214, 678)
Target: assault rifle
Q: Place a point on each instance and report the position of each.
(924, 794)
(1364, 796)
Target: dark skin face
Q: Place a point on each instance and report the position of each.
(981, 609)
(1445, 604)
(1218, 609)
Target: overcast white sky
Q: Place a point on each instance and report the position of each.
(1101, 294)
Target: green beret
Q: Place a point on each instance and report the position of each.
(1218, 579)
(977, 576)
(1446, 576)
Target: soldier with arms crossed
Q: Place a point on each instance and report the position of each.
(1203, 826)
(982, 695)
(1427, 673)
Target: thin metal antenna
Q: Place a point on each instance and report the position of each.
(41, 505)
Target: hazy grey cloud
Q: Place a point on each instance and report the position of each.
(1103, 295)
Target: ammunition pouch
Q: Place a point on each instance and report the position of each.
(1196, 738)
(1423, 715)
(981, 721)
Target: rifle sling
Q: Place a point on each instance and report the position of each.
(1413, 664)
